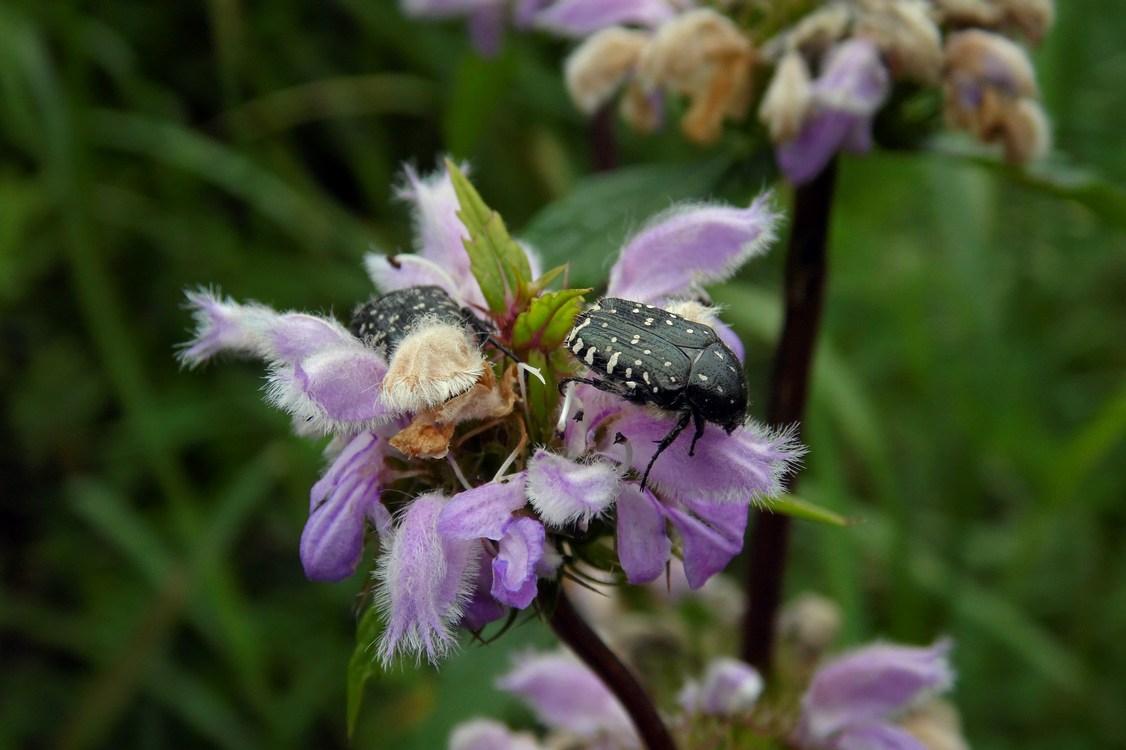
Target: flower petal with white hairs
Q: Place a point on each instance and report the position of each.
(682, 249)
(318, 371)
(425, 580)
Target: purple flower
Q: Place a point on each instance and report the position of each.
(425, 581)
(581, 18)
(331, 382)
(843, 100)
(318, 371)
(339, 504)
(486, 734)
(489, 512)
(680, 250)
(564, 491)
(852, 702)
(729, 687)
(567, 696)
(705, 498)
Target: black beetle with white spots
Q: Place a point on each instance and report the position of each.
(383, 322)
(649, 355)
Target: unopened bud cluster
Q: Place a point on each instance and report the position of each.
(816, 81)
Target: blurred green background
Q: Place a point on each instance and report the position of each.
(969, 399)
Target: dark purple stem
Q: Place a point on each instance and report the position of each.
(603, 145)
(573, 630)
(806, 268)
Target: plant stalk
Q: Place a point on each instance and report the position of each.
(581, 638)
(806, 269)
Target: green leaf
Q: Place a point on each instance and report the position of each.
(544, 281)
(363, 664)
(547, 321)
(587, 227)
(795, 507)
(1057, 177)
(498, 263)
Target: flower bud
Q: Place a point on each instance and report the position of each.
(704, 56)
(598, 68)
(788, 99)
(990, 90)
(907, 37)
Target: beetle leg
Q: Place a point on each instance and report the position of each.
(699, 432)
(602, 385)
(666, 441)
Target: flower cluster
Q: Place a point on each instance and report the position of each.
(451, 457)
(836, 68)
(881, 695)
(878, 696)
(833, 69)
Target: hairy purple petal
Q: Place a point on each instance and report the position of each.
(425, 580)
(482, 511)
(514, 568)
(337, 385)
(729, 687)
(486, 734)
(688, 246)
(643, 544)
(875, 736)
(339, 504)
(223, 325)
(566, 695)
(563, 491)
(439, 242)
(711, 534)
(740, 468)
(581, 18)
(321, 374)
(870, 684)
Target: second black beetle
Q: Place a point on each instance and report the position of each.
(652, 356)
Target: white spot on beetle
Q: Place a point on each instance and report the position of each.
(668, 322)
(702, 377)
(668, 364)
(629, 372)
(589, 359)
(578, 347)
(612, 363)
(645, 377)
(631, 384)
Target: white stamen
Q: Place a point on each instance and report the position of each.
(566, 410)
(457, 471)
(418, 260)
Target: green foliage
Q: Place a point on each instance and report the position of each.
(968, 395)
(363, 665)
(498, 263)
(548, 320)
